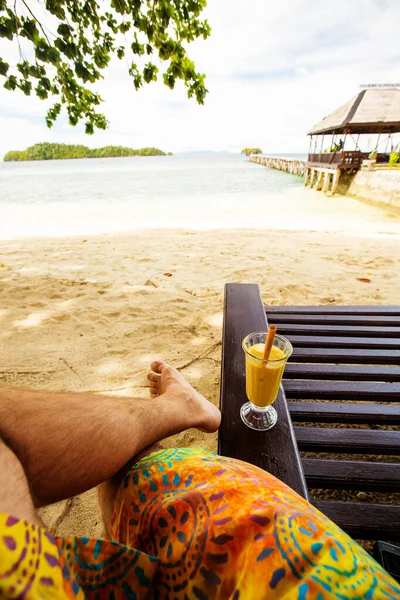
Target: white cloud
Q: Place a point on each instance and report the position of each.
(273, 70)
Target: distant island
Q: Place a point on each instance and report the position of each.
(248, 151)
(46, 151)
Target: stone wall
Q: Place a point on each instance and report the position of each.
(290, 165)
(380, 186)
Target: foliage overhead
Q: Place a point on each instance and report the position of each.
(248, 151)
(65, 45)
(46, 151)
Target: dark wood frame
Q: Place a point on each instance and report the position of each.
(343, 159)
(244, 313)
(317, 391)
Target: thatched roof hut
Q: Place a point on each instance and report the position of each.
(371, 111)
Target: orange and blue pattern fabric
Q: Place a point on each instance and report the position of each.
(189, 524)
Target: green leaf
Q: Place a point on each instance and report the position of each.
(47, 53)
(3, 67)
(67, 48)
(11, 83)
(169, 80)
(36, 71)
(119, 6)
(82, 72)
(137, 82)
(101, 57)
(64, 30)
(25, 86)
(125, 26)
(23, 68)
(5, 30)
(137, 48)
(45, 83)
(29, 30)
(52, 114)
(150, 73)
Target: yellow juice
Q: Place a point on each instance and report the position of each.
(263, 379)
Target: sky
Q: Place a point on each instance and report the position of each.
(273, 70)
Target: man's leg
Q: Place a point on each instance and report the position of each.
(68, 443)
(15, 498)
(107, 491)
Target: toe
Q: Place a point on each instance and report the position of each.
(154, 389)
(154, 377)
(157, 366)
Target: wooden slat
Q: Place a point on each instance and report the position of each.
(351, 475)
(321, 341)
(347, 356)
(335, 319)
(327, 330)
(350, 441)
(341, 372)
(340, 310)
(275, 450)
(337, 412)
(342, 390)
(363, 521)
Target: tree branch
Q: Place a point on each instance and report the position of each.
(21, 54)
(37, 21)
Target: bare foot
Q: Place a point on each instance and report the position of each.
(165, 380)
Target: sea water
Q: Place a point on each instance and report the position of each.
(186, 191)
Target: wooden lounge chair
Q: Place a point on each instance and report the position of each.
(336, 375)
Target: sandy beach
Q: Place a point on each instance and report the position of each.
(90, 313)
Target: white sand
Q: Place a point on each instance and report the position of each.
(90, 313)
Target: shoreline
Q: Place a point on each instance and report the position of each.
(71, 199)
(74, 158)
(131, 233)
(295, 209)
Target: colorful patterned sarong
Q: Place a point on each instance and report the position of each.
(190, 524)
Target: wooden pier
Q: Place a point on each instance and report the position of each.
(289, 165)
(321, 171)
(325, 179)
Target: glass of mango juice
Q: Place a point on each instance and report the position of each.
(263, 378)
